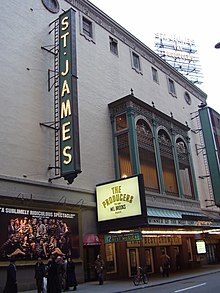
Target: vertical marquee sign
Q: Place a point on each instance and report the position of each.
(69, 125)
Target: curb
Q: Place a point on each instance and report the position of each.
(167, 282)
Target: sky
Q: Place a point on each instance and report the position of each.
(197, 20)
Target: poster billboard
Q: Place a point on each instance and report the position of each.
(29, 234)
(200, 246)
(121, 203)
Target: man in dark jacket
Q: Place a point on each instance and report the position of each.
(99, 267)
(39, 274)
(71, 275)
(11, 283)
(53, 285)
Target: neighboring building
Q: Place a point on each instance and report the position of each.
(210, 127)
(134, 115)
(215, 121)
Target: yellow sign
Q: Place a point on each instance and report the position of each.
(118, 199)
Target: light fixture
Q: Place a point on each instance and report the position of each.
(124, 176)
(120, 231)
(178, 231)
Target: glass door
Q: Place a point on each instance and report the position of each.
(133, 261)
(211, 253)
(149, 260)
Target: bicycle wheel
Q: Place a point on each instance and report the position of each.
(145, 279)
(136, 280)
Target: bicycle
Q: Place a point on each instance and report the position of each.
(140, 277)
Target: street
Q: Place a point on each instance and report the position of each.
(201, 284)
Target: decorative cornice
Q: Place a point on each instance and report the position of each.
(169, 202)
(153, 115)
(102, 19)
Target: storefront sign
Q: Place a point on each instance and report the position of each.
(69, 129)
(135, 236)
(151, 241)
(176, 240)
(180, 222)
(119, 199)
(164, 240)
(134, 243)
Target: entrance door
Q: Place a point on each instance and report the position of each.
(211, 253)
(133, 261)
(149, 260)
(90, 254)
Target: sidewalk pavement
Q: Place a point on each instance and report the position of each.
(119, 286)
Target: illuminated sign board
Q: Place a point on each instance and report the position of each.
(176, 48)
(119, 199)
(69, 128)
(134, 236)
(200, 246)
(174, 38)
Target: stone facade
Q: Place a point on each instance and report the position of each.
(27, 148)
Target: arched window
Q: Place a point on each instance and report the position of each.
(125, 167)
(147, 156)
(185, 171)
(166, 154)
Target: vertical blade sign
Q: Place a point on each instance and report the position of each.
(69, 125)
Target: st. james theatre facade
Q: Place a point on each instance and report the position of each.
(99, 147)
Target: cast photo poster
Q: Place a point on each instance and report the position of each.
(29, 234)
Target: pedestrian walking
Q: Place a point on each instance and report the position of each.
(39, 275)
(99, 267)
(165, 264)
(71, 275)
(61, 272)
(11, 282)
(53, 285)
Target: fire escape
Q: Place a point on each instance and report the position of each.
(53, 85)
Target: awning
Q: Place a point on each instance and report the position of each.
(91, 239)
(171, 214)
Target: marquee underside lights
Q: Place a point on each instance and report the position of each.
(145, 233)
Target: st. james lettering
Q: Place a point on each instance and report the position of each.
(69, 129)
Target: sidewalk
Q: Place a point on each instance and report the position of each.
(118, 286)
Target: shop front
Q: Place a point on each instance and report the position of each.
(128, 242)
(123, 257)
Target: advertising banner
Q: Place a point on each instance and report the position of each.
(29, 234)
(121, 204)
(118, 199)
